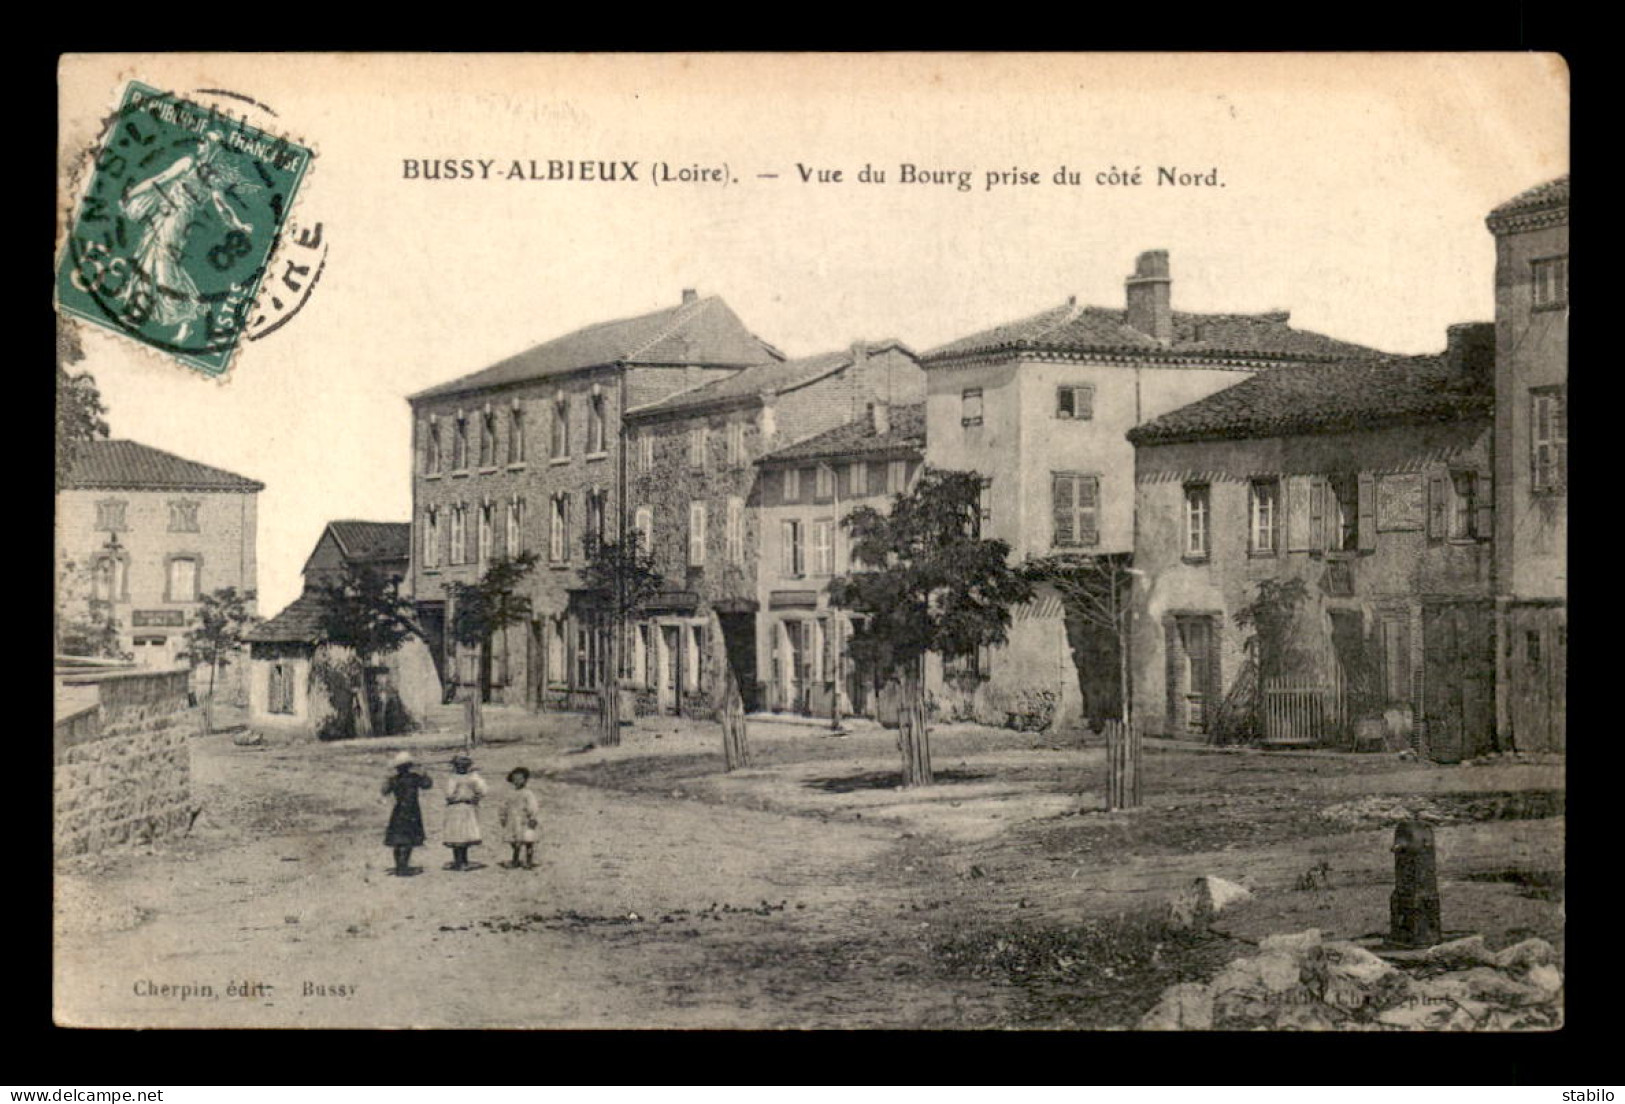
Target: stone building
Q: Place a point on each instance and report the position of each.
(141, 536)
(694, 494)
(527, 455)
(1040, 407)
(1368, 482)
(804, 491)
(1531, 466)
(285, 690)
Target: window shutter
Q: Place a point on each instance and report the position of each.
(1083, 402)
(786, 545)
(1063, 492)
(1438, 508)
(1368, 512)
(1171, 655)
(1485, 508)
(1215, 680)
(1319, 493)
(1088, 509)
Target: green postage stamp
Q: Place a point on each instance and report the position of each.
(178, 226)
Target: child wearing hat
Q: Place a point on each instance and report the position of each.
(405, 829)
(521, 816)
(463, 795)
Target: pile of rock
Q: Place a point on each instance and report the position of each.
(1303, 982)
(1379, 810)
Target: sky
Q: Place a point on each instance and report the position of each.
(1348, 189)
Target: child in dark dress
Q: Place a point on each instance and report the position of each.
(405, 829)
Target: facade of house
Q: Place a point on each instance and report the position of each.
(803, 492)
(1369, 485)
(285, 690)
(1040, 407)
(1531, 447)
(528, 455)
(694, 496)
(143, 534)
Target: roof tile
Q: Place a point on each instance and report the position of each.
(129, 465)
(858, 438)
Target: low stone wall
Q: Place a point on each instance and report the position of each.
(123, 774)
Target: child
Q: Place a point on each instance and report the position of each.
(405, 829)
(463, 795)
(520, 819)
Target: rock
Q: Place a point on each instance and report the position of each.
(1525, 955)
(1470, 951)
(1418, 1015)
(1183, 1007)
(1493, 986)
(1196, 905)
(1545, 979)
(246, 738)
(1350, 977)
(1296, 941)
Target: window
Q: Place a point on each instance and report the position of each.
(1198, 511)
(1265, 505)
(110, 515)
(646, 451)
(857, 478)
(1076, 501)
(792, 484)
(644, 522)
(824, 482)
(459, 533)
(1343, 516)
(1549, 454)
(970, 406)
(515, 543)
(557, 651)
(183, 516)
(558, 536)
(516, 435)
(432, 459)
(897, 476)
(560, 444)
(736, 530)
(823, 547)
(588, 661)
(459, 456)
(482, 548)
(594, 533)
(182, 580)
(984, 508)
(1531, 645)
(431, 537)
(1075, 401)
(736, 444)
(1551, 282)
(697, 440)
(279, 693)
(595, 425)
(976, 666)
(488, 438)
(696, 534)
(1464, 505)
(793, 562)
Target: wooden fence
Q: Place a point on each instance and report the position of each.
(1123, 746)
(1306, 710)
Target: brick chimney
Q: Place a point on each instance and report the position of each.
(1150, 296)
(1470, 351)
(690, 296)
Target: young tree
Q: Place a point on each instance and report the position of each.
(621, 577)
(365, 611)
(932, 585)
(79, 407)
(223, 617)
(483, 609)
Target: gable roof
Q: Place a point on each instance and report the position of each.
(858, 438)
(129, 465)
(299, 623)
(372, 541)
(1071, 328)
(749, 383)
(1326, 398)
(700, 331)
(1543, 205)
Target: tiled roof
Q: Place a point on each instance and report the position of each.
(752, 381)
(858, 438)
(300, 622)
(701, 331)
(1324, 398)
(1071, 328)
(1553, 193)
(370, 541)
(128, 465)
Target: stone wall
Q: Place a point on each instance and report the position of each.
(123, 773)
